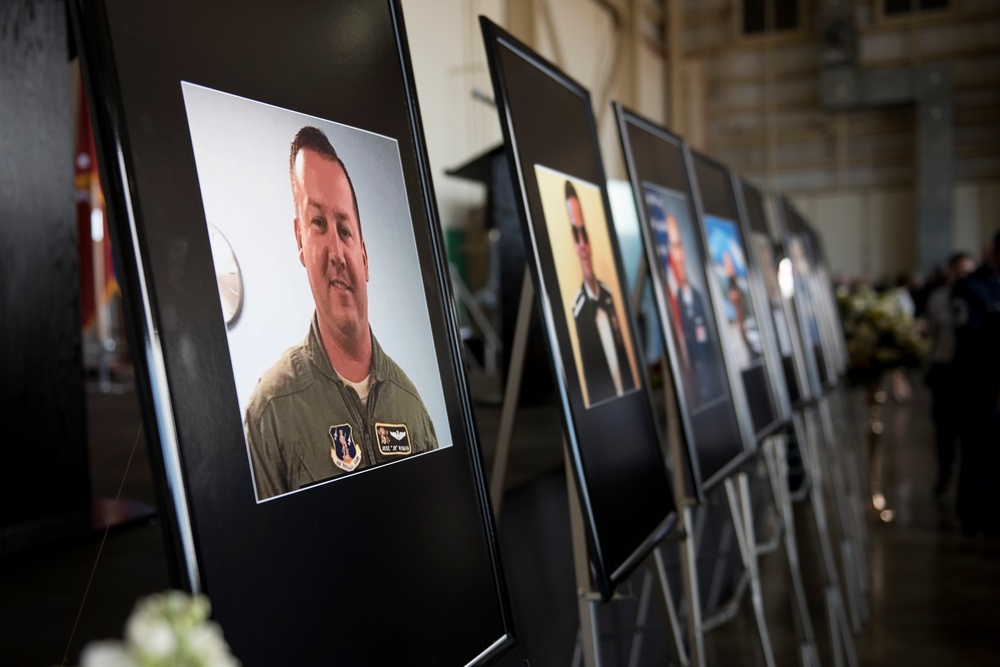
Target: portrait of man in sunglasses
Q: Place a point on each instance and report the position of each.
(606, 369)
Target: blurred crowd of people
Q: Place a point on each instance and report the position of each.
(957, 307)
(960, 308)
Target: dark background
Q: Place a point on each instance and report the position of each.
(713, 433)
(391, 567)
(624, 481)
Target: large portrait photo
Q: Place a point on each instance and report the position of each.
(729, 269)
(691, 318)
(322, 293)
(592, 297)
(765, 254)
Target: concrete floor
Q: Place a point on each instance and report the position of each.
(934, 600)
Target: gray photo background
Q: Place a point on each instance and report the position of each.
(241, 150)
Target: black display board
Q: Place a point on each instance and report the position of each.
(548, 126)
(273, 218)
(659, 169)
(796, 247)
(827, 294)
(782, 321)
(747, 337)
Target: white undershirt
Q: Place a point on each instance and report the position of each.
(607, 337)
(363, 388)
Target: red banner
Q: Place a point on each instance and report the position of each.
(92, 226)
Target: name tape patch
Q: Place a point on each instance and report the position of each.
(392, 439)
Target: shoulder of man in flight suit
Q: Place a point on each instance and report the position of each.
(296, 403)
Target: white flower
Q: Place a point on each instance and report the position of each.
(106, 654)
(207, 646)
(166, 630)
(150, 636)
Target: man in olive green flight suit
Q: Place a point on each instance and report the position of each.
(336, 403)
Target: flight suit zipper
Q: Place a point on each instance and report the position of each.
(370, 416)
(362, 417)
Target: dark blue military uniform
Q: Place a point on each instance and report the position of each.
(701, 353)
(596, 371)
(975, 302)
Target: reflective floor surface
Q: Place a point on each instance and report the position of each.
(935, 596)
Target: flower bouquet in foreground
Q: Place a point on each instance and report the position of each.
(881, 335)
(165, 630)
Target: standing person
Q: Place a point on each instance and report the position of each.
(976, 312)
(606, 367)
(940, 377)
(319, 411)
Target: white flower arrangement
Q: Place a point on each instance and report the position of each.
(165, 630)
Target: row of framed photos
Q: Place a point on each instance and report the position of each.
(299, 366)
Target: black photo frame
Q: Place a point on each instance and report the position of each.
(795, 245)
(548, 125)
(750, 345)
(789, 343)
(828, 297)
(391, 564)
(717, 438)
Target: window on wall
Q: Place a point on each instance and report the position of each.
(897, 7)
(761, 16)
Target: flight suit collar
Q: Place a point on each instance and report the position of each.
(321, 361)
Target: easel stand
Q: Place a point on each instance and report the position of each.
(860, 470)
(588, 650)
(844, 479)
(737, 489)
(841, 638)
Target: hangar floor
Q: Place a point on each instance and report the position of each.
(934, 599)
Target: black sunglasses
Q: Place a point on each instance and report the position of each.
(580, 233)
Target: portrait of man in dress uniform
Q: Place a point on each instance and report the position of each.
(689, 315)
(321, 410)
(606, 368)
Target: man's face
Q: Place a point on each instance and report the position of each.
(330, 244)
(962, 268)
(677, 260)
(580, 238)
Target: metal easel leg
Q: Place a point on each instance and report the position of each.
(641, 618)
(719, 578)
(689, 572)
(586, 606)
(848, 525)
(777, 467)
(512, 392)
(841, 639)
(741, 508)
(853, 448)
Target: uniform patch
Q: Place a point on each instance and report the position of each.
(392, 439)
(343, 452)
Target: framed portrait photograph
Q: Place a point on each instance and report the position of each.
(827, 295)
(576, 269)
(783, 322)
(791, 228)
(660, 173)
(315, 289)
(748, 338)
(289, 309)
(593, 300)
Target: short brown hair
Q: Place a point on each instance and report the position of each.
(313, 138)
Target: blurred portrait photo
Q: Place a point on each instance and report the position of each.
(692, 321)
(587, 275)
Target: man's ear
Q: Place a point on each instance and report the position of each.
(364, 255)
(298, 240)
